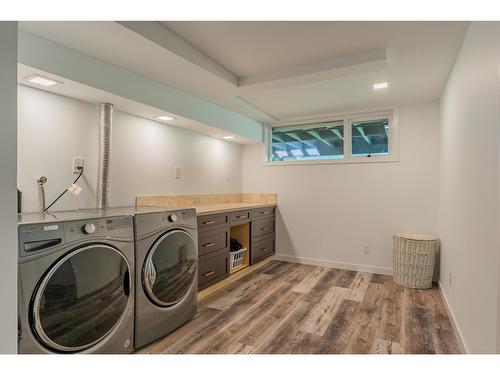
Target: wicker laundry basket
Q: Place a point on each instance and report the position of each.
(414, 259)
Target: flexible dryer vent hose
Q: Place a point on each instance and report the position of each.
(104, 160)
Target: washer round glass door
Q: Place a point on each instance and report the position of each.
(81, 298)
(170, 268)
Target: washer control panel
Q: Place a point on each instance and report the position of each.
(89, 228)
(38, 238)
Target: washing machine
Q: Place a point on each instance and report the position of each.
(76, 283)
(166, 245)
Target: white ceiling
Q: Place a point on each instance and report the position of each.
(95, 96)
(252, 48)
(285, 70)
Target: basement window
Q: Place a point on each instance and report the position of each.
(354, 138)
(319, 141)
(370, 137)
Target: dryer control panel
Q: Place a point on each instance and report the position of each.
(151, 222)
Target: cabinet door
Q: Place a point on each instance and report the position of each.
(262, 228)
(262, 249)
(208, 221)
(258, 213)
(213, 268)
(212, 240)
(240, 217)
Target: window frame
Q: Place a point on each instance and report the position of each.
(347, 118)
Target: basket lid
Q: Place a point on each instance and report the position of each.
(416, 236)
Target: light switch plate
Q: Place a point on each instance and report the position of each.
(177, 172)
(78, 163)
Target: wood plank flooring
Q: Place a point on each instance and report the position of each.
(281, 307)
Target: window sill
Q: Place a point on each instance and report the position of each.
(351, 160)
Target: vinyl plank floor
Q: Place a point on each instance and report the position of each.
(282, 307)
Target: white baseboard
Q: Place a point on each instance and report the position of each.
(328, 263)
(456, 328)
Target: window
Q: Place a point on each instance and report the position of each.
(370, 137)
(353, 138)
(308, 142)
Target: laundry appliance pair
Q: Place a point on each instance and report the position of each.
(104, 281)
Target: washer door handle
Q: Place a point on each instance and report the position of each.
(149, 275)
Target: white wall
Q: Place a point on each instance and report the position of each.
(329, 213)
(53, 129)
(8, 194)
(469, 188)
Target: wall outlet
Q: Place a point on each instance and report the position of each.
(450, 278)
(367, 249)
(78, 162)
(177, 173)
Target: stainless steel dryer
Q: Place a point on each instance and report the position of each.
(75, 288)
(166, 272)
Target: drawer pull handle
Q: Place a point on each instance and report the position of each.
(263, 249)
(209, 222)
(209, 273)
(265, 228)
(264, 212)
(209, 244)
(241, 216)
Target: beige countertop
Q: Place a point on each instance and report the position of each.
(210, 203)
(204, 209)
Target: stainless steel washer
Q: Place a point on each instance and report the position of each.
(166, 272)
(76, 278)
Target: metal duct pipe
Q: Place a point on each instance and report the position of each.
(105, 127)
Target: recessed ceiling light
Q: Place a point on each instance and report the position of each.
(380, 85)
(165, 118)
(228, 137)
(43, 81)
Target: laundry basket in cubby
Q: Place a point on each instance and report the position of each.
(236, 258)
(414, 258)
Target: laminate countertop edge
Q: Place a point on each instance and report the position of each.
(229, 207)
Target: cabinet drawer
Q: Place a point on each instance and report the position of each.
(262, 212)
(262, 228)
(240, 217)
(262, 249)
(212, 268)
(212, 240)
(208, 221)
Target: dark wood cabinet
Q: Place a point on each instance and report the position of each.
(262, 233)
(214, 231)
(210, 221)
(212, 240)
(262, 228)
(262, 249)
(213, 249)
(262, 212)
(240, 217)
(213, 268)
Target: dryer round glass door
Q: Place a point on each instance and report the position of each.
(170, 268)
(82, 298)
